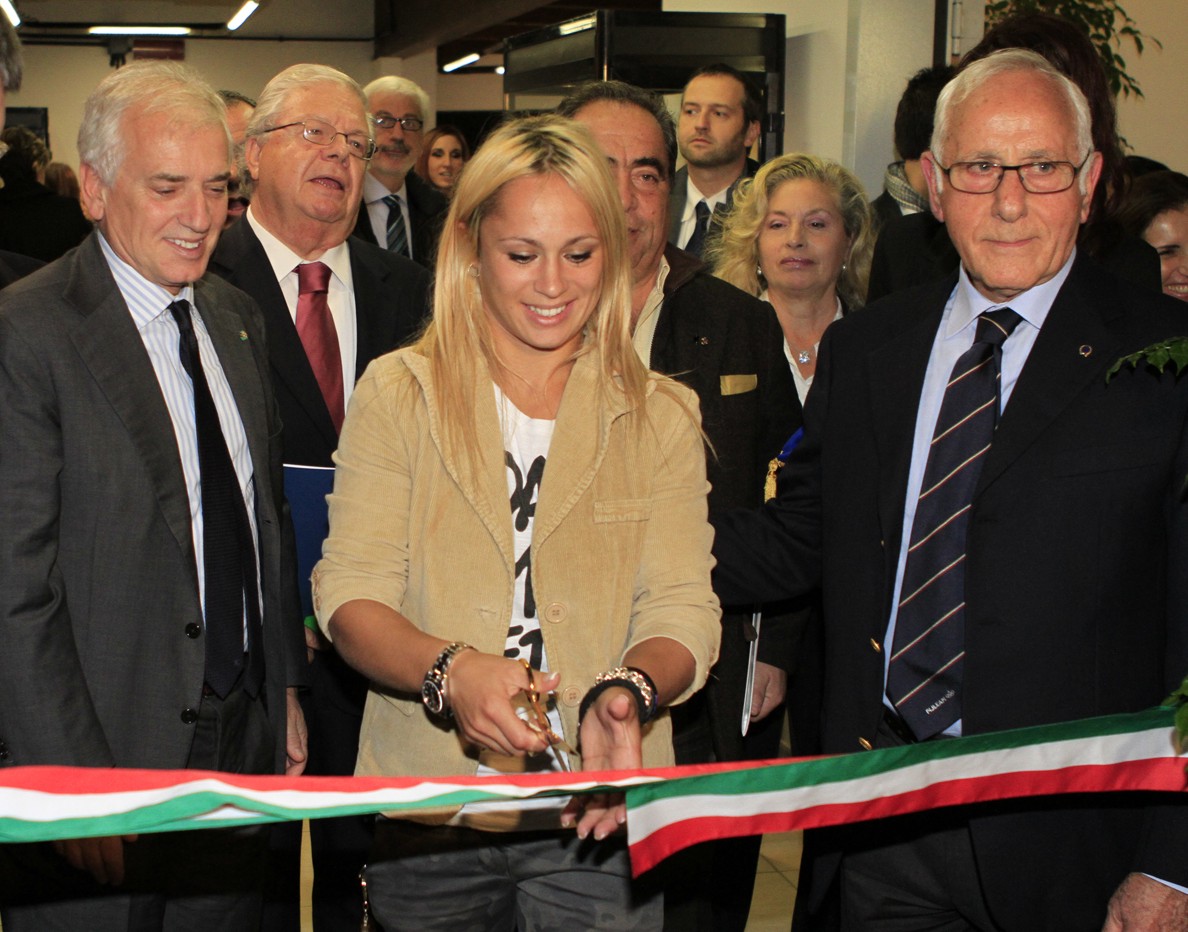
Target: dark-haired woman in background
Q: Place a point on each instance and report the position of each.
(1156, 209)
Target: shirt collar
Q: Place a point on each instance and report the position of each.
(1032, 305)
(693, 197)
(146, 300)
(374, 190)
(283, 260)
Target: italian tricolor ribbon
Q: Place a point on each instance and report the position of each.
(668, 809)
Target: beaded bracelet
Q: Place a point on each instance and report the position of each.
(634, 680)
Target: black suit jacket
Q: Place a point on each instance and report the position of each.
(1077, 565)
(728, 347)
(99, 594)
(390, 308)
(427, 209)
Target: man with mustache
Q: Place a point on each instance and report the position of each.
(400, 211)
(331, 305)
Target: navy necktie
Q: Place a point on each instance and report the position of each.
(697, 241)
(927, 656)
(229, 554)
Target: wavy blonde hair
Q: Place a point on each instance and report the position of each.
(734, 256)
(460, 330)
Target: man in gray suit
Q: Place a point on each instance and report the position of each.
(148, 600)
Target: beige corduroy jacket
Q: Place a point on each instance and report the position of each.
(620, 549)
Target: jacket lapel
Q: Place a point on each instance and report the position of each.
(1074, 347)
(236, 357)
(897, 370)
(110, 346)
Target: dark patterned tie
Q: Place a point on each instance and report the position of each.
(697, 240)
(927, 657)
(315, 327)
(229, 554)
(397, 234)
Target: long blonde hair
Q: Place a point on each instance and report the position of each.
(734, 256)
(460, 333)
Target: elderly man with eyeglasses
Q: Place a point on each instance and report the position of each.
(400, 211)
(331, 305)
(999, 533)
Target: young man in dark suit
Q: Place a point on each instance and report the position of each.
(148, 604)
(305, 194)
(1058, 586)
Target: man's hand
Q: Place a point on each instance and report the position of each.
(296, 736)
(315, 643)
(102, 858)
(610, 741)
(771, 686)
(1141, 904)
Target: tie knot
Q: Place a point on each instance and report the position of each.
(995, 326)
(702, 210)
(313, 278)
(181, 315)
(392, 200)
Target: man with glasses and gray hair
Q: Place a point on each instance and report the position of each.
(400, 211)
(331, 305)
(999, 532)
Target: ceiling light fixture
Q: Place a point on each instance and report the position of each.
(577, 25)
(461, 62)
(10, 12)
(139, 30)
(249, 7)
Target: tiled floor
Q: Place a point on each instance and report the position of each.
(771, 909)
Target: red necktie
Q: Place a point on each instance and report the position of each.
(315, 326)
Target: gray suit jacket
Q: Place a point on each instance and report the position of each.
(101, 661)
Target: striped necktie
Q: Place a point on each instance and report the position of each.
(397, 234)
(697, 240)
(927, 656)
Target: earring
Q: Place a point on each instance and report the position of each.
(843, 268)
(472, 270)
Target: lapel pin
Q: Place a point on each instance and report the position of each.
(704, 341)
(1086, 350)
(243, 335)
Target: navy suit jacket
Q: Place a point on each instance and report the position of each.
(1077, 565)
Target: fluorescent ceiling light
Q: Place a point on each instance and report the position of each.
(460, 62)
(139, 30)
(578, 25)
(249, 7)
(10, 12)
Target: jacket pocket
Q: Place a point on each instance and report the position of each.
(624, 509)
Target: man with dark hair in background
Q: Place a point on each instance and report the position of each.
(904, 189)
(719, 122)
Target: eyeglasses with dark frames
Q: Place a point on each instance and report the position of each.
(322, 134)
(983, 176)
(387, 121)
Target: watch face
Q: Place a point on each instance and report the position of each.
(433, 697)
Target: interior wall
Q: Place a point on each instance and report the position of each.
(61, 77)
(1156, 125)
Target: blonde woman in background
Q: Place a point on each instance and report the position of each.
(800, 237)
